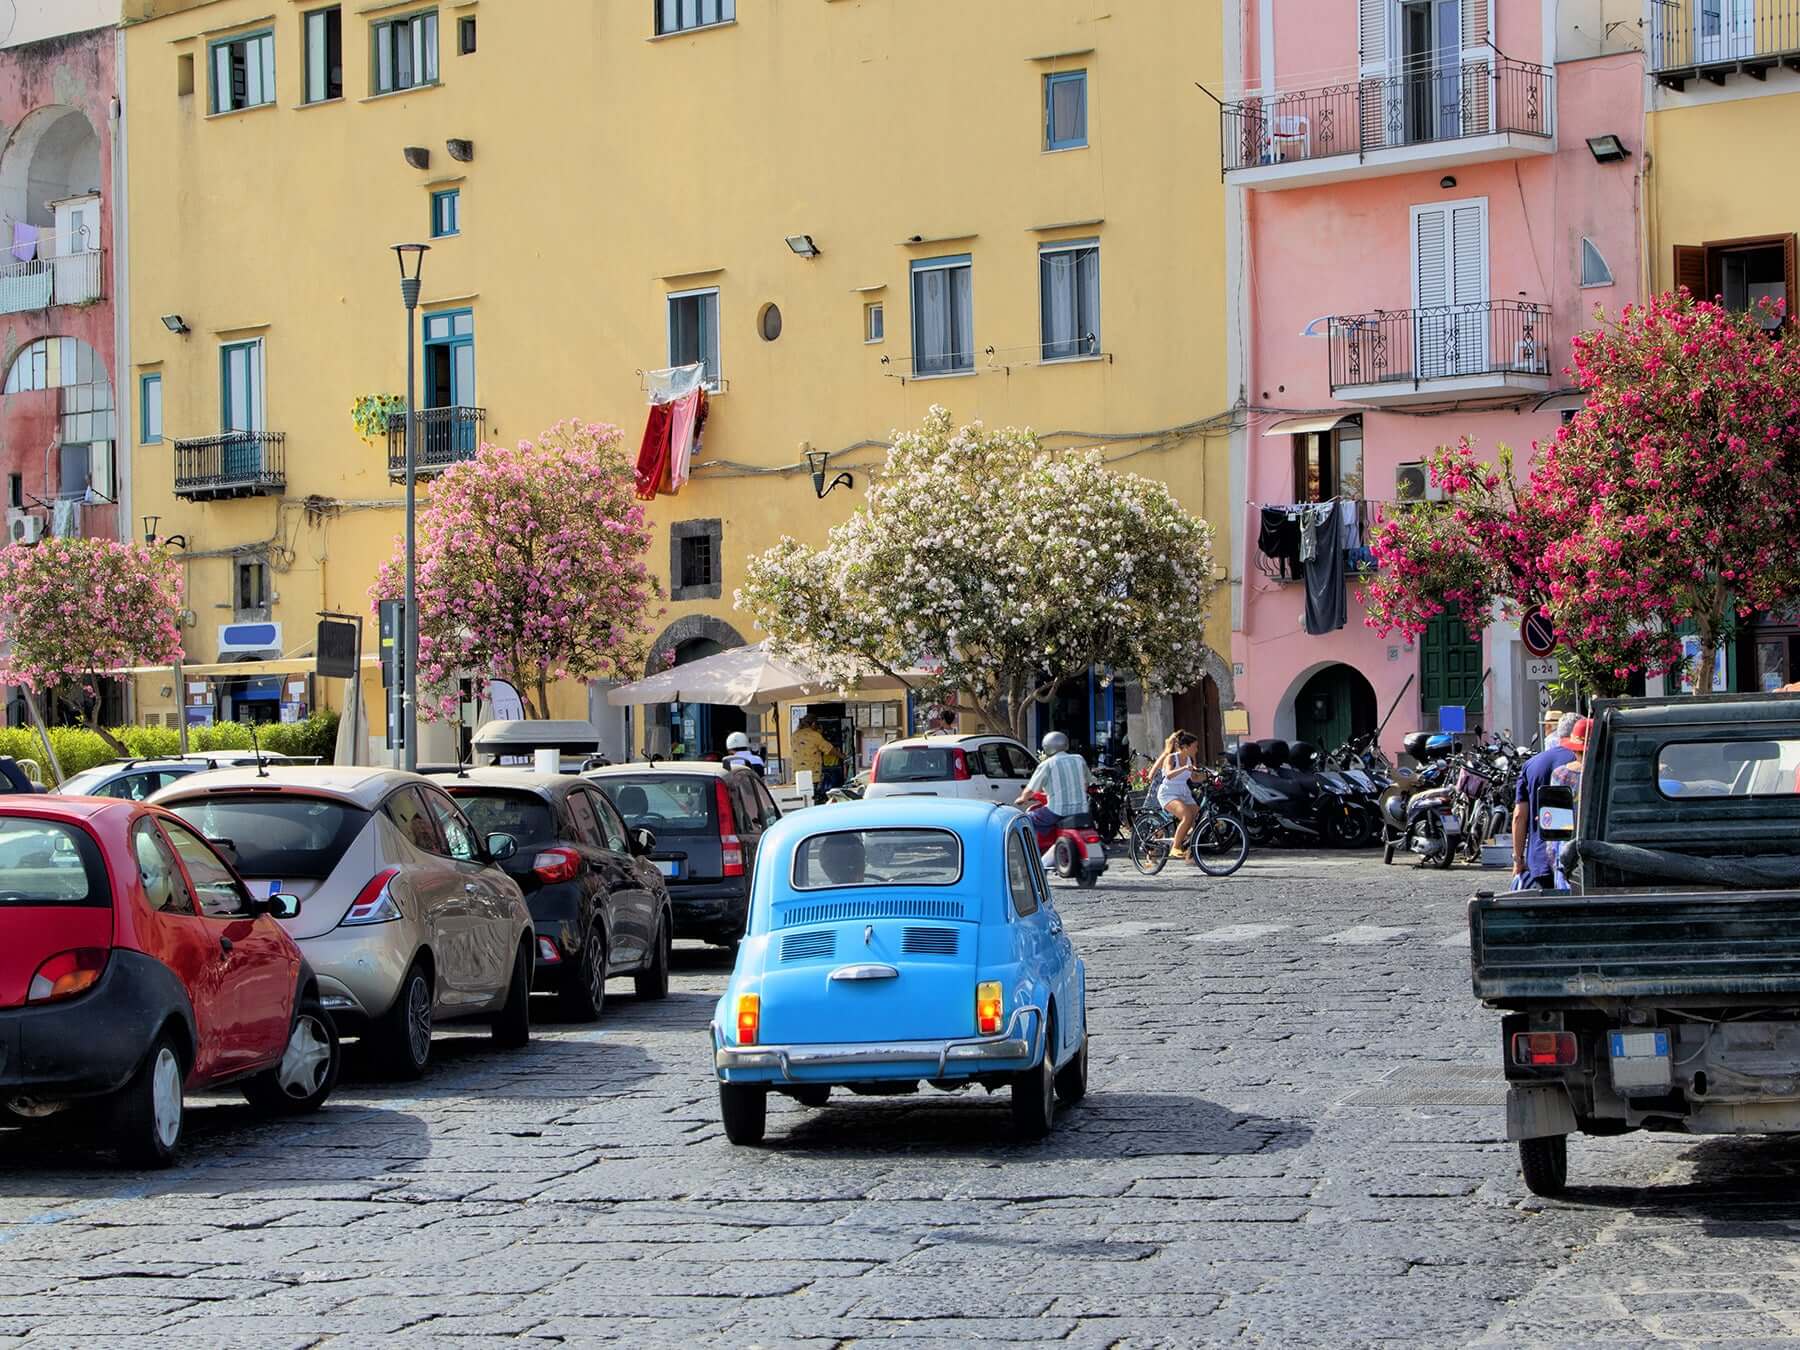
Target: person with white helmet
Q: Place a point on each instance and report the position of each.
(1062, 778)
(739, 755)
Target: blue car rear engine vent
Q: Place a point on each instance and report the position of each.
(901, 908)
(939, 941)
(805, 946)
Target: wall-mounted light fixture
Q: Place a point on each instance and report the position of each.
(1446, 182)
(174, 323)
(461, 151)
(818, 460)
(417, 156)
(1607, 149)
(803, 245)
(150, 539)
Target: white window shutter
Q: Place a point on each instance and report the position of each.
(1379, 112)
(1478, 68)
(1372, 47)
(1431, 258)
(1468, 265)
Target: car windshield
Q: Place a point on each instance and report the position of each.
(665, 804)
(278, 834)
(913, 764)
(83, 784)
(44, 862)
(878, 858)
(521, 814)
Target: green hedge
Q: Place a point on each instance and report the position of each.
(78, 748)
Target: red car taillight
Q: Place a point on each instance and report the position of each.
(875, 768)
(959, 766)
(374, 903)
(556, 864)
(731, 848)
(1544, 1049)
(749, 1018)
(67, 974)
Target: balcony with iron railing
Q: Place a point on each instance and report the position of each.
(59, 269)
(232, 464)
(1425, 117)
(1716, 39)
(446, 436)
(1489, 352)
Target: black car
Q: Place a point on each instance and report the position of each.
(708, 821)
(600, 909)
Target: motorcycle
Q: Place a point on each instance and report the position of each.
(1400, 826)
(1361, 820)
(1286, 805)
(1108, 790)
(1071, 848)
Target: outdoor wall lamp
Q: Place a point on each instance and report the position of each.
(173, 541)
(1608, 149)
(818, 460)
(174, 323)
(803, 245)
(1446, 182)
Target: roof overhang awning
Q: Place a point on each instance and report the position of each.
(1301, 426)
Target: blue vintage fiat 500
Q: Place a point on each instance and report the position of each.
(896, 942)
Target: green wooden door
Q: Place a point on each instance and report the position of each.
(1334, 705)
(1449, 667)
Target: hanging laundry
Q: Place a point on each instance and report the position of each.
(65, 517)
(1278, 539)
(683, 416)
(25, 241)
(653, 453)
(1309, 545)
(1351, 526)
(1326, 600)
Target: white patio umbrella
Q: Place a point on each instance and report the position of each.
(741, 676)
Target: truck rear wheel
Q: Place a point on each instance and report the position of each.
(1545, 1164)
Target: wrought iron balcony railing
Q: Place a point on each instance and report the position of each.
(1449, 342)
(232, 464)
(1418, 106)
(446, 436)
(1711, 39)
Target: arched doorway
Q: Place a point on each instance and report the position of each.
(1333, 705)
(691, 730)
(1197, 709)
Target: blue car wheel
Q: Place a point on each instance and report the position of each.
(1034, 1094)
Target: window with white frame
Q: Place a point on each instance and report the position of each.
(677, 16)
(243, 72)
(943, 315)
(694, 331)
(406, 52)
(1594, 271)
(1069, 295)
(874, 322)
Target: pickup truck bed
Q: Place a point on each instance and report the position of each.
(1672, 946)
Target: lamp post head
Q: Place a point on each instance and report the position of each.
(150, 524)
(412, 259)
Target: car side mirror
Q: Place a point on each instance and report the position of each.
(282, 906)
(643, 841)
(1556, 813)
(226, 849)
(500, 847)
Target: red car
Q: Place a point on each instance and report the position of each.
(134, 966)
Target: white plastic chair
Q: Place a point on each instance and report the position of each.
(1290, 129)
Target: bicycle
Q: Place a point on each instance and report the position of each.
(1217, 845)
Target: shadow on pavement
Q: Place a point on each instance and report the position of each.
(972, 1123)
(1737, 1181)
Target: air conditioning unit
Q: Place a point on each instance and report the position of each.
(23, 528)
(1412, 483)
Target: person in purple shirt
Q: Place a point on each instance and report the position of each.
(1531, 859)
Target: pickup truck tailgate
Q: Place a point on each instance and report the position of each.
(1623, 945)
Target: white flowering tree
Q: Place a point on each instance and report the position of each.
(1002, 569)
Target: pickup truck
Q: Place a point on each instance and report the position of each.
(1662, 990)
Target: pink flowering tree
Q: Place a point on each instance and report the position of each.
(986, 572)
(1673, 497)
(73, 609)
(530, 568)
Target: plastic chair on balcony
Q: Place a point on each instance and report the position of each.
(1288, 130)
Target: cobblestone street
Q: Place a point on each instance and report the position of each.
(1293, 1137)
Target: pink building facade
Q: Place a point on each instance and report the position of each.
(1421, 224)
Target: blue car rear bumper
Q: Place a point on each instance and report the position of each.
(1017, 1048)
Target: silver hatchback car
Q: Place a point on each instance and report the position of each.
(404, 916)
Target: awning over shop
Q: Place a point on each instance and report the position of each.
(286, 665)
(1301, 426)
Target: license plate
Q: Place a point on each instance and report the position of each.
(1640, 1044)
(668, 869)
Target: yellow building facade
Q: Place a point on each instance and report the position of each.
(613, 186)
(1721, 212)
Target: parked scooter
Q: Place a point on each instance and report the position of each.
(1285, 804)
(1360, 821)
(1419, 811)
(1072, 847)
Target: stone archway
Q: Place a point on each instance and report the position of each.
(1160, 716)
(53, 153)
(686, 630)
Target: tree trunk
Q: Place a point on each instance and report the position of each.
(91, 715)
(543, 691)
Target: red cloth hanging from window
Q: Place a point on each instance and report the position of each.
(653, 453)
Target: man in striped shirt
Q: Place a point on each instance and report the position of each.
(1063, 779)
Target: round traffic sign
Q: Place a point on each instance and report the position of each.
(1538, 633)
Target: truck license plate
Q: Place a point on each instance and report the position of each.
(1640, 1045)
(1640, 1061)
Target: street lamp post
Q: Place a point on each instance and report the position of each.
(412, 258)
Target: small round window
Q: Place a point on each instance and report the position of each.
(768, 323)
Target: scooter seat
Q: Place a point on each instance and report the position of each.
(1081, 820)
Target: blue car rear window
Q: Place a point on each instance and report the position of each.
(881, 857)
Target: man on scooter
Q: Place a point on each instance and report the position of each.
(1063, 779)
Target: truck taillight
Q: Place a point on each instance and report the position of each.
(1544, 1049)
(990, 1004)
(731, 848)
(959, 765)
(749, 1018)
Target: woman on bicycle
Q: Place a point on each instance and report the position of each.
(1176, 764)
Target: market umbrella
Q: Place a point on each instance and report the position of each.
(740, 677)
